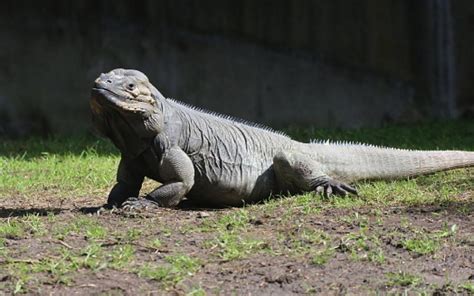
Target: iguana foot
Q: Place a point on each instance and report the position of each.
(333, 187)
(106, 208)
(134, 203)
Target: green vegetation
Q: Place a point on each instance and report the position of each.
(403, 279)
(421, 246)
(177, 268)
(59, 166)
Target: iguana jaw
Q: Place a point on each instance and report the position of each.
(103, 97)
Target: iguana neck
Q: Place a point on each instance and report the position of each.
(125, 137)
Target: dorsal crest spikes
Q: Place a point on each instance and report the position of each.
(227, 117)
(353, 144)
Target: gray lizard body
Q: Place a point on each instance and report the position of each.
(221, 161)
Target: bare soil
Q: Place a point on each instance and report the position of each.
(277, 268)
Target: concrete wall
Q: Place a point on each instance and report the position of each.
(464, 40)
(326, 63)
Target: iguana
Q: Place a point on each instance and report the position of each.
(216, 160)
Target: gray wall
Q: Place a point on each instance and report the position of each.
(331, 63)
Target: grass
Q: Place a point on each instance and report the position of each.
(43, 248)
(177, 268)
(59, 166)
(403, 279)
(423, 243)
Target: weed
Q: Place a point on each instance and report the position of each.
(234, 220)
(233, 246)
(21, 274)
(58, 269)
(402, 279)
(3, 248)
(322, 257)
(121, 256)
(34, 224)
(132, 235)
(446, 231)
(197, 292)
(302, 241)
(84, 225)
(96, 232)
(179, 267)
(362, 246)
(376, 255)
(12, 229)
(155, 243)
(92, 257)
(19, 287)
(154, 272)
(356, 219)
(421, 246)
(468, 286)
(183, 263)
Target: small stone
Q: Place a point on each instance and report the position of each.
(203, 215)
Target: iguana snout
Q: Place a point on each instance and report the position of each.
(128, 91)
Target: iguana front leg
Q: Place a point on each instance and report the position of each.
(296, 172)
(177, 172)
(129, 183)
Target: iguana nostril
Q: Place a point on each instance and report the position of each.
(108, 81)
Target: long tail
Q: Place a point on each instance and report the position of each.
(352, 162)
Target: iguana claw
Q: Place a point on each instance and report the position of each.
(331, 187)
(135, 203)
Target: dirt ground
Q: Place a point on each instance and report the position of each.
(282, 265)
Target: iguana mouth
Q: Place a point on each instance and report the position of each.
(105, 97)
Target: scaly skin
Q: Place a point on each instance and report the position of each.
(220, 161)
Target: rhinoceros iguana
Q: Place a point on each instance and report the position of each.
(221, 161)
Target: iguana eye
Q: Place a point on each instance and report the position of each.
(131, 86)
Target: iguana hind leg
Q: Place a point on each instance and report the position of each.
(296, 172)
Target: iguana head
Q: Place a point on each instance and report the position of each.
(127, 96)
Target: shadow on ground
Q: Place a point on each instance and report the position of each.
(18, 212)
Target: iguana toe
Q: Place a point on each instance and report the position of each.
(332, 187)
(134, 203)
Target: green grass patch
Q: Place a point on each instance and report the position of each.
(232, 246)
(322, 257)
(60, 167)
(362, 246)
(467, 287)
(122, 256)
(16, 228)
(402, 279)
(422, 242)
(11, 229)
(176, 268)
(421, 246)
(82, 225)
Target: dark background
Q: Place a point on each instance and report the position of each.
(333, 63)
